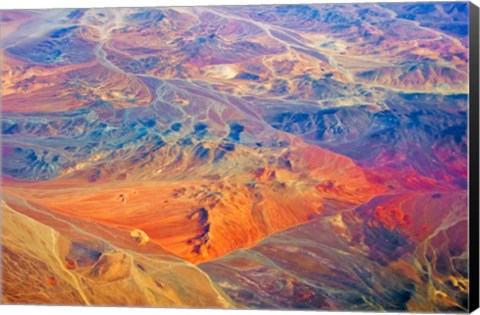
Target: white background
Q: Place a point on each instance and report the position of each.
(52, 310)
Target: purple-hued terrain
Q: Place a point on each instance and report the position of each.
(266, 157)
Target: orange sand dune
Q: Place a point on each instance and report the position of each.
(84, 263)
(200, 219)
